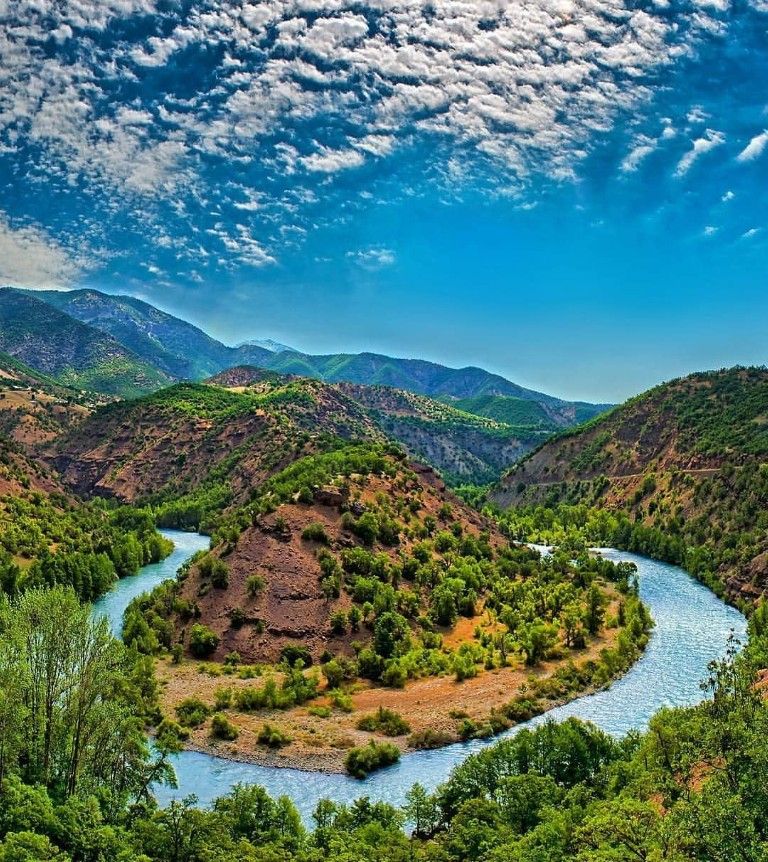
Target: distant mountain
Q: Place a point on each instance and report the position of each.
(428, 378)
(71, 352)
(184, 352)
(172, 345)
(267, 344)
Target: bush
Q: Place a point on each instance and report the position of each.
(429, 738)
(202, 641)
(192, 712)
(272, 736)
(315, 533)
(384, 721)
(222, 728)
(293, 654)
(363, 760)
(254, 584)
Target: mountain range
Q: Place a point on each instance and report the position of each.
(159, 348)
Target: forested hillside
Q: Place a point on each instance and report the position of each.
(684, 465)
(71, 352)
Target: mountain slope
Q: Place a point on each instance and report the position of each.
(421, 377)
(685, 459)
(205, 443)
(465, 448)
(71, 352)
(34, 408)
(174, 346)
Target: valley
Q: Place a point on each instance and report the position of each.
(351, 614)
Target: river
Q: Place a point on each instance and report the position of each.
(692, 628)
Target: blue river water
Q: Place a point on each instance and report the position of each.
(692, 627)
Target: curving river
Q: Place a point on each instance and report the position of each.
(692, 629)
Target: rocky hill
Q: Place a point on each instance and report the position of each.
(463, 446)
(686, 459)
(205, 443)
(72, 353)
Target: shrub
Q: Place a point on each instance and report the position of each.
(341, 700)
(320, 711)
(315, 533)
(202, 641)
(222, 728)
(363, 760)
(385, 721)
(222, 699)
(192, 712)
(177, 653)
(254, 584)
(339, 622)
(272, 736)
(429, 738)
(293, 654)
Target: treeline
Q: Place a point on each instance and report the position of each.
(47, 540)
(691, 788)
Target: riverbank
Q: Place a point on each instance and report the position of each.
(435, 708)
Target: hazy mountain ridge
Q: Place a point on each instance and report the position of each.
(183, 351)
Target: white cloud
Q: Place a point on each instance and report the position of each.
(642, 149)
(373, 258)
(329, 161)
(754, 148)
(709, 141)
(710, 230)
(727, 196)
(30, 258)
(752, 232)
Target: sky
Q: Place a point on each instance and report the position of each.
(572, 193)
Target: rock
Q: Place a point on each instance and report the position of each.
(329, 495)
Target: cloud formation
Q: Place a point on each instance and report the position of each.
(29, 258)
(154, 108)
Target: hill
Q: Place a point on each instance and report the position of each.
(362, 563)
(684, 462)
(204, 444)
(427, 378)
(464, 447)
(34, 409)
(72, 353)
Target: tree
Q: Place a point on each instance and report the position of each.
(390, 632)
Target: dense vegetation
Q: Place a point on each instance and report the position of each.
(691, 788)
(52, 539)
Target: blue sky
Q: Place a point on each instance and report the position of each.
(569, 192)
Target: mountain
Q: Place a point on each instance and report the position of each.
(174, 346)
(463, 446)
(182, 351)
(69, 351)
(685, 462)
(423, 378)
(267, 344)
